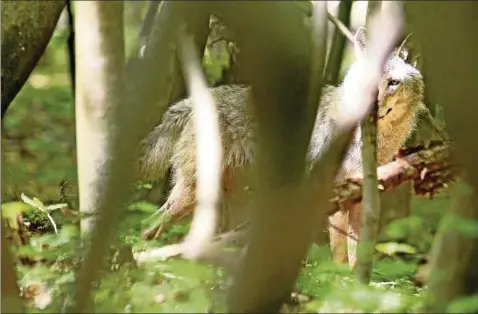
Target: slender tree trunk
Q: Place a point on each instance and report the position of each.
(100, 85)
(117, 115)
(99, 96)
(371, 207)
(27, 27)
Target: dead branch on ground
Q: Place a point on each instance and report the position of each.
(429, 169)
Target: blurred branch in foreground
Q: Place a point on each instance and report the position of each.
(129, 118)
(208, 151)
(280, 214)
(196, 19)
(450, 61)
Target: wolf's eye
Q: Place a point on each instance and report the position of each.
(393, 82)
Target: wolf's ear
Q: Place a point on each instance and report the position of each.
(360, 40)
(408, 51)
(410, 56)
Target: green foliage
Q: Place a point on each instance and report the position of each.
(46, 210)
(464, 305)
(337, 290)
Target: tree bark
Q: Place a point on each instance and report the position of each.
(453, 252)
(100, 85)
(27, 27)
(285, 216)
(371, 207)
(280, 229)
(337, 49)
(99, 98)
(429, 169)
(370, 210)
(11, 302)
(454, 257)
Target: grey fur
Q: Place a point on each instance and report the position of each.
(172, 143)
(168, 142)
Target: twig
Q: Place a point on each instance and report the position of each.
(344, 232)
(402, 45)
(340, 26)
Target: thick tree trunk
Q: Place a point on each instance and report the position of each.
(27, 27)
(454, 257)
(453, 267)
(281, 230)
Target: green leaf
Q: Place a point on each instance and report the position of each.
(391, 248)
(56, 206)
(35, 202)
(39, 203)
